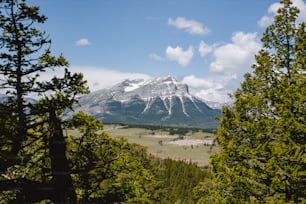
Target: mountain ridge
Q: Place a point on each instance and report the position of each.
(159, 101)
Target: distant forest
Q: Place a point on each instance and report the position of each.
(171, 130)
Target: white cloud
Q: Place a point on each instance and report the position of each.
(190, 26)
(214, 95)
(268, 19)
(272, 10)
(205, 49)
(265, 21)
(155, 57)
(210, 88)
(82, 42)
(195, 82)
(229, 63)
(301, 5)
(235, 57)
(97, 77)
(179, 55)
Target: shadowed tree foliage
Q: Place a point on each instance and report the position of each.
(262, 136)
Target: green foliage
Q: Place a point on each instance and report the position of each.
(179, 179)
(33, 166)
(262, 136)
(109, 170)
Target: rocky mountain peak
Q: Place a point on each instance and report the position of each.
(150, 102)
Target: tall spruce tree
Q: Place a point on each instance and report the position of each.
(33, 159)
(262, 136)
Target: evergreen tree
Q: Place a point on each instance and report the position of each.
(33, 159)
(262, 136)
(109, 170)
(179, 179)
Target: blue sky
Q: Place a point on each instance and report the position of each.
(208, 44)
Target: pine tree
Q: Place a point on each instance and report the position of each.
(33, 159)
(262, 136)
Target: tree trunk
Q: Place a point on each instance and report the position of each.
(63, 187)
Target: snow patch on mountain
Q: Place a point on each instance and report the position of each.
(133, 85)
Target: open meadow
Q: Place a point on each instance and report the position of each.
(195, 146)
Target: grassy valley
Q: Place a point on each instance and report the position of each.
(195, 145)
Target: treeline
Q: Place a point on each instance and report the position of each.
(171, 130)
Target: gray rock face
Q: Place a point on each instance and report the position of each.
(160, 101)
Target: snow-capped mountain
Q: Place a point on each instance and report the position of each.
(159, 101)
